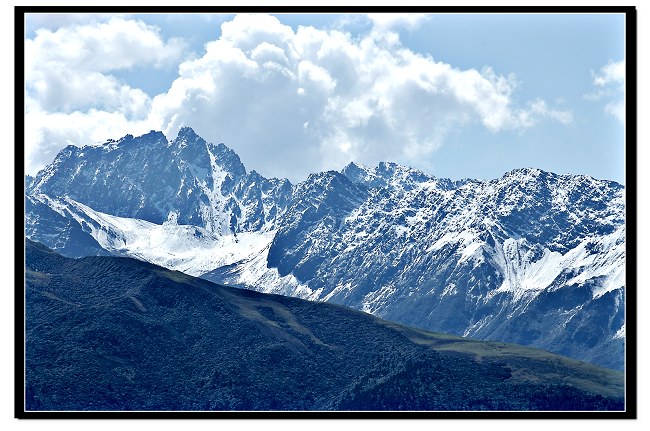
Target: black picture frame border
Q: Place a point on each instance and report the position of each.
(631, 162)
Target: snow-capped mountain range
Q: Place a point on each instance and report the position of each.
(533, 257)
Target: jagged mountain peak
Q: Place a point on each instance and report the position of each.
(190, 145)
(186, 132)
(526, 171)
(151, 138)
(187, 136)
(153, 135)
(227, 158)
(357, 173)
(148, 177)
(539, 176)
(385, 174)
(323, 176)
(328, 189)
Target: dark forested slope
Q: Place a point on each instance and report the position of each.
(108, 333)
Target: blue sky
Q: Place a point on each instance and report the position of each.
(456, 95)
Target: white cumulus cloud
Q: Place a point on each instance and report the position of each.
(610, 82)
(388, 21)
(71, 95)
(612, 73)
(292, 102)
(54, 21)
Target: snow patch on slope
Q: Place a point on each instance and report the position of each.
(215, 214)
(592, 258)
(252, 271)
(190, 249)
(608, 261)
(620, 334)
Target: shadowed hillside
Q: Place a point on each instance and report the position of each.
(108, 333)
